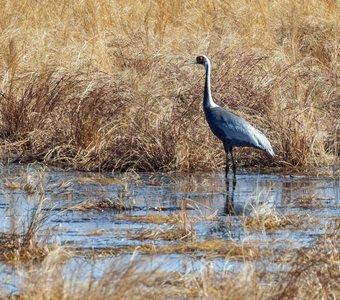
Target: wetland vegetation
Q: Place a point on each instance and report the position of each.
(100, 86)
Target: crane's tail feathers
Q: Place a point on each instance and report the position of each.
(268, 148)
(271, 153)
(263, 142)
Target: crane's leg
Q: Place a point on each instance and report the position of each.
(233, 165)
(229, 204)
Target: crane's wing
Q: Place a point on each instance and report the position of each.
(236, 131)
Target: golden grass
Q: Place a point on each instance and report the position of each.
(268, 222)
(103, 204)
(98, 85)
(157, 219)
(22, 244)
(213, 248)
(123, 201)
(182, 229)
(313, 274)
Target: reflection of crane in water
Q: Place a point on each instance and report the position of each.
(231, 129)
(229, 208)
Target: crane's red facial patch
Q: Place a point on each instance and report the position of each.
(200, 60)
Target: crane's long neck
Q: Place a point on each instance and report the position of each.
(208, 102)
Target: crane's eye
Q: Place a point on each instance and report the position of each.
(200, 59)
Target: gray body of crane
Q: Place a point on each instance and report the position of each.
(231, 129)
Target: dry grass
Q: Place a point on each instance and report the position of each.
(313, 274)
(270, 221)
(98, 85)
(210, 249)
(216, 248)
(157, 219)
(26, 239)
(182, 229)
(260, 214)
(21, 243)
(266, 218)
(104, 204)
(123, 201)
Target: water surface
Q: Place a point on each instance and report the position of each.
(217, 213)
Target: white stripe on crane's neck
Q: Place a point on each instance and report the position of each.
(208, 102)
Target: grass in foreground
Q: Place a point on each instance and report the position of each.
(312, 274)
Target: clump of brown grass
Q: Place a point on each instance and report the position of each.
(123, 201)
(98, 85)
(209, 249)
(314, 273)
(23, 245)
(182, 229)
(103, 204)
(150, 218)
(262, 216)
(271, 220)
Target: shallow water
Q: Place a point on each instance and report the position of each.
(205, 197)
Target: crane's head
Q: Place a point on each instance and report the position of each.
(201, 60)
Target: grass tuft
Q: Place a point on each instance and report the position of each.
(20, 245)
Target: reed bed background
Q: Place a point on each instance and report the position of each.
(102, 84)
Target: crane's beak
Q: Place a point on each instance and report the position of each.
(192, 62)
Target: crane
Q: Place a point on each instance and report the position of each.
(231, 129)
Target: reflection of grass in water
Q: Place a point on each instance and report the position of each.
(311, 201)
(32, 181)
(29, 182)
(123, 179)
